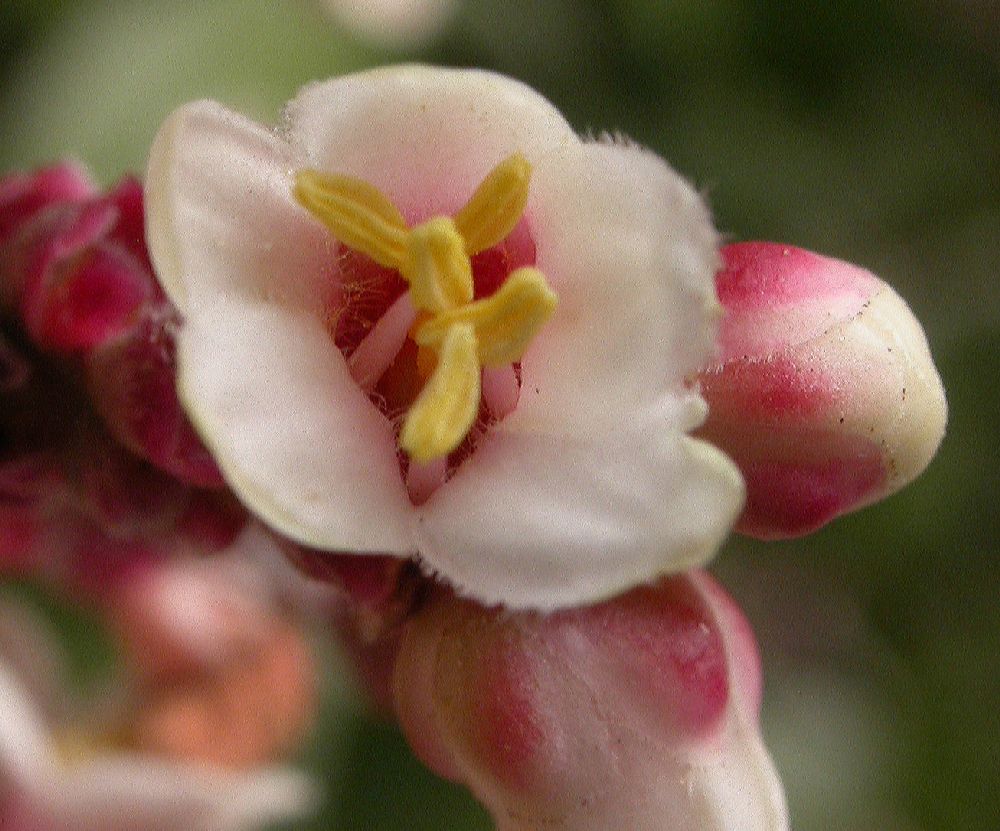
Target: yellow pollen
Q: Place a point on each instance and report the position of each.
(462, 335)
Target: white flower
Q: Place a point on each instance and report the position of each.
(575, 477)
(53, 779)
(393, 23)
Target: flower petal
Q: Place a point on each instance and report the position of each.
(137, 793)
(25, 749)
(630, 249)
(221, 217)
(294, 435)
(538, 521)
(425, 137)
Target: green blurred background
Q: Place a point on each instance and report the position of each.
(864, 129)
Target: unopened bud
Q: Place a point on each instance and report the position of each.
(639, 713)
(24, 196)
(825, 393)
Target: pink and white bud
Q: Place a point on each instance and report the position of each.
(638, 713)
(825, 393)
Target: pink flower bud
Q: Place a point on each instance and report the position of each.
(131, 383)
(76, 507)
(23, 196)
(75, 273)
(72, 287)
(637, 713)
(825, 393)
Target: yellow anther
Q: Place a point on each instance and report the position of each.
(504, 323)
(496, 206)
(446, 408)
(437, 269)
(357, 213)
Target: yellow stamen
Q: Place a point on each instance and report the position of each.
(446, 408)
(496, 206)
(357, 213)
(457, 336)
(504, 323)
(437, 269)
(427, 360)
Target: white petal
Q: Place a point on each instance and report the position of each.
(29, 650)
(25, 745)
(630, 249)
(537, 520)
(425, 136)
(136, 793)
(221, 217)
(294, 435)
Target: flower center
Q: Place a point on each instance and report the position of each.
(457, 336)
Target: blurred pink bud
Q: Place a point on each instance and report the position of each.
(75, 273)
(23, 196)
(67, 766)
(825, 393)
(131, 382)
(72, 285)
(19, 533)
(226, 678)
(638, 713)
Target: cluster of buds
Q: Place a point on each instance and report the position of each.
(492, 402)
(100, 467)
(109, 500)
